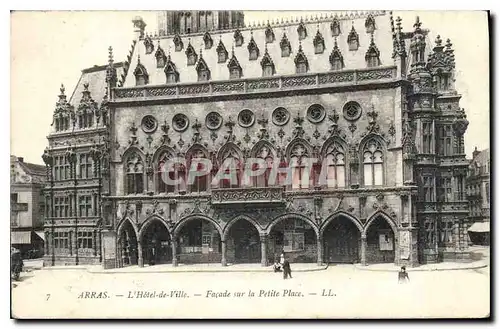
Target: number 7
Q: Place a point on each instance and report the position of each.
(48, 296)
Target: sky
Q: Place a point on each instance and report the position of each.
(52, 47)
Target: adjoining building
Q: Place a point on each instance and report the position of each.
(27, 207)
(478, 194)
(375, 103)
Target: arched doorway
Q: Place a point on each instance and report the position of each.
(128, 245)
(156, 244)
(342, 240)
(296, 238)
(198, 241)
(243, 243)
(380, 244)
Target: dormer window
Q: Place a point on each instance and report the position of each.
(191, 55)
(141, 74)
(336, 58)
(148, 44)
(253, 50)
(301, 63)
(221, 53)
(235, 71)
(269, 34)
(179, 45)
(160, 57)
(370, 24)
(267, 65)
(302, 31)
(207, 39)
(319, 43)
(285, 46)
(238, 38)
(202, 70)
(353, 40)
(372, 56)
(335, 27)
(171, 72)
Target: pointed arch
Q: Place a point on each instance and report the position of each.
(335, 27)
(207, 39)
(195, 148)
(370, 24)
(134, 165)
(229, 224)
(228, 149)
(353, 39)
(131, 150)
(292, 215)
(285, 46)
(301, 62)
(298, 141)
(329, 142)
(302, 31)
(267, 65)
(319, 43)
(148, 222)
(191, 55)
(386, 217)
(253, 49)
(221, 52)
(336, 58)
(141, 74)
(203, 70)
(160, 56)
(265, 151)
(180, 224)
(269, 34)
(254, 152)
(372, 154)
(171, 72)
(122, 224)
(372, 56)
(336, 215)
(162, 150)
(234, 67)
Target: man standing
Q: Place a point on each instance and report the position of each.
(403, 275)
(287, 271)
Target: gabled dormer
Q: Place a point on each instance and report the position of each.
(202, 69)
(160, 56)
(335, 27)
(207, 40)
(285, 46)
(301, 63)
(238, 38)
(370, 24)
(141, 74)
(353, 39)
(269, 34)
(221, 52)
(171, 72)
(235, 70)
(267, 65)
(319, 43)
(179, 45)
(372, 56)
(253, 50)
(336, 58)
(301, 30)
(148, 44)
(191, 54)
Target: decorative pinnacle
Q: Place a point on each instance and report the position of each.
(448, 44)
(86, 86)
(62, 89)
(398, 23)
(438, 41)
(417, 24)
(110, 55)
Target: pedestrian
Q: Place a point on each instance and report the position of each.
(282, 258)
(287, 271)
(276, 266)
(403, 275)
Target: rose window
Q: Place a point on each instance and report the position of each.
(281, 116)
(316, 113)
(352, 111)
(149, 124)
(180, 122)
(246, 118)
(213, 121)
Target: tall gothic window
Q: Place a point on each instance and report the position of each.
(235, 71)
(85, 240)
(302, 31)
(202, 70)
(234, 169)
(373, 163)
(200, 183)
(430, 233)
(85, 119)
(445, 146)
(191, 55)
(446, 233)
(85, 206)
(162, 172)
(263, 179)
(427, 193)
(267, 65)
(285, 46)
(301, 63)
(459, 187)
(85, 166)
(353, 39)
(427, 137)
(446, 193)
(335, 27)
(300, 173)
(135, 174)
(335, 157)
(336, 58)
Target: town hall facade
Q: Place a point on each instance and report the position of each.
(373, 103)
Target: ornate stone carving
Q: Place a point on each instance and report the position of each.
(263, 84)
(298, 81)
(194, 89)
(280, 116)
(180, 122)
(133, 137)
(247, 195)
(230, 137)
(246, 118)
(228, 86)
(375, 74)
(316, 113)
(156, 209)
(164, 137)
(161, 91)
(298, 131)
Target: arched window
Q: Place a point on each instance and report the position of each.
(234, 165)
(266, 155)
(200, 183)
(135, 174)
(335, 160)
(373, 163)
(300, 173)
(164, 171)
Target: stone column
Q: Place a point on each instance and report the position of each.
(363, 249)
(140, 260)
(223, 252)
(174, 252)
(263, 249)
(320, 250)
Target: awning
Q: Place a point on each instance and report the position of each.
(480, 227)
(41, 234)
(20, 237)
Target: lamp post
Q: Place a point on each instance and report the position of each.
(71, 157)
(49, 162)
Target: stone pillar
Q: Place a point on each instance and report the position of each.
(223, 252)
(174, 252)
(140, 259)
(320, 250)
(263, 249)
(363, 249)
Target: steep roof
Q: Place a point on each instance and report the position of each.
(283, 65)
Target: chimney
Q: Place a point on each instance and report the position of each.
(475, 153)
(139, 27)
(20, 159)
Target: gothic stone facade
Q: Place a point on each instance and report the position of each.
(355, 90)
